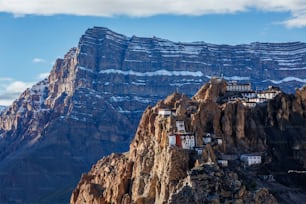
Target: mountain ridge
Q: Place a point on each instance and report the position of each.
(92, 101)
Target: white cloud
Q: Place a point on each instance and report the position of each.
(11, 89)
(38, 60)
(5, 102)
(140, 8)
(18, 86)
(298, 21)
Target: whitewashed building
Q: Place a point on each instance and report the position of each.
(172, 140)
(182, 140)
(188, 141)
(234, 86)
(249, 94)
(249, 104)
(219, 140)
(199, 150)
(267, 94)
(180, 126)
(223, 163)
(164, 112)
(257, 100)
(250, 159)
(207, 139)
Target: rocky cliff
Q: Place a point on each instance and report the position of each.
(91, 103)
(153, 171)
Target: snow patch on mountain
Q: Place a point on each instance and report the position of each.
(84, 69)
(232, 78)
(161, 72)
(128, 98)
(292, 69)
(287, 79)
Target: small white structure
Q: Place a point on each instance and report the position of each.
(219, 141)
(267, 94)
(207, 139)
(249, 104)
(234, 86)
(296, 147)
(182, 140)
(180, 126)
(187, 141)
(199, 150)
(249, 94)
(223, 163)
(172, 140)
(257, 100)
(250, 159)
(164, 112)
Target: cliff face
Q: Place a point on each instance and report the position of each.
(154, 172)
(92, 101)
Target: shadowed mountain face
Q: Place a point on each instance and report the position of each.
(92, 101)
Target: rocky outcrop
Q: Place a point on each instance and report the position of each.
(209, 184)
(211, 91)
(155, 172)
(115, 167)
(62, 125)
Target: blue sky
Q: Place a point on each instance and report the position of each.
(34, 33)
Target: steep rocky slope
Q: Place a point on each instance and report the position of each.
(155, 172)
(91, 103)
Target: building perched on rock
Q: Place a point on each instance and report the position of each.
(207, 138)
(237, 87)
(249, 97)
(180, 126)
(182, 140)
(169, 161)
(223, 163)
(249, 104)
(250, 159)
(164, 112)
(269, 93)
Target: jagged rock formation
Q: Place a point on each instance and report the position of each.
(92, 101)
(154, 172)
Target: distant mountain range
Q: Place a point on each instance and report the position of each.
(91, 103)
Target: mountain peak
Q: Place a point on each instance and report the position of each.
(100, 33)
(94, 97)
